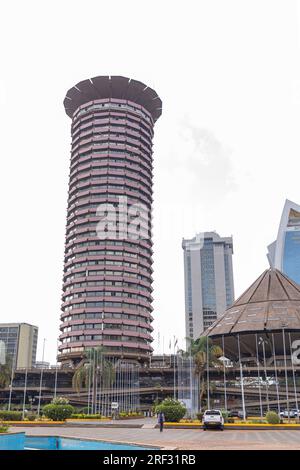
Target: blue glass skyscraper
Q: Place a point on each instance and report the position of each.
(284, 253)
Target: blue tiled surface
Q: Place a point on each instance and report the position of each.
(61, 443)
(12, 441)
(19, 441)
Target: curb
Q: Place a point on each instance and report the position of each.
(243, 427)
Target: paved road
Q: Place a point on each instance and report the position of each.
(186, 439)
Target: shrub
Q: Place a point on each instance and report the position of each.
(10, 415)
(84, 410)
(173, 410)
(272, 417)
(225, 415)
(129, 414)
(58, 412)
(199, 415)
(31, 416)
(85, 416)
(3, 428)
(78, 416)
(257, 421)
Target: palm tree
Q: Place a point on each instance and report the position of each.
(5, 372)
(93, 370)
(205, 354)
(203, 388)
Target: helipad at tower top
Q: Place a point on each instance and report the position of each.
(113, 87)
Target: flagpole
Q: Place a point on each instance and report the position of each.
(207, 373)
(24, 397)
(93, 383)
(286, 374)
(224, 373)
(258, 376)
(89, 383)
(293, 371)
(174, 365)
(276, 376)
(41, 380)
(265, 370)
(12, 377)
(55, 383)
(242, 379)
(191, 385)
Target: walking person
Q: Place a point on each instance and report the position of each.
(161, 420)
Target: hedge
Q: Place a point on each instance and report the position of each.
(85, 416)
(10, 415)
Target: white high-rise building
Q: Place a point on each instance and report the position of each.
(208, 277)
(284, 252)
(18, 342)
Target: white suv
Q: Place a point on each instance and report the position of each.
(213, 419)
(294, 413)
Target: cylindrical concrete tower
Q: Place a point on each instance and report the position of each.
(108, 251)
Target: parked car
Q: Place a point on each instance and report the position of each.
(236, 414)
(293, 413)
(213, 419)
(296, 412)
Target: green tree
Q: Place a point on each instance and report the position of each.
(5, 373)
(173, 410)
(93, 370)
(205, 354)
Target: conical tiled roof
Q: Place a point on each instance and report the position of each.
(271, 303)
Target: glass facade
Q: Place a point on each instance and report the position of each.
(9, 338)
(190, 294)
(208, 283)
(18, 343)
(284, 253)
(291, 255)
(34, 346)
(228, 287)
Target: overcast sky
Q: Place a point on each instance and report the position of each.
(226, 149)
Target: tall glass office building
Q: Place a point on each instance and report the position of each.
(107, 281)
(284, 252)
(209, 288)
